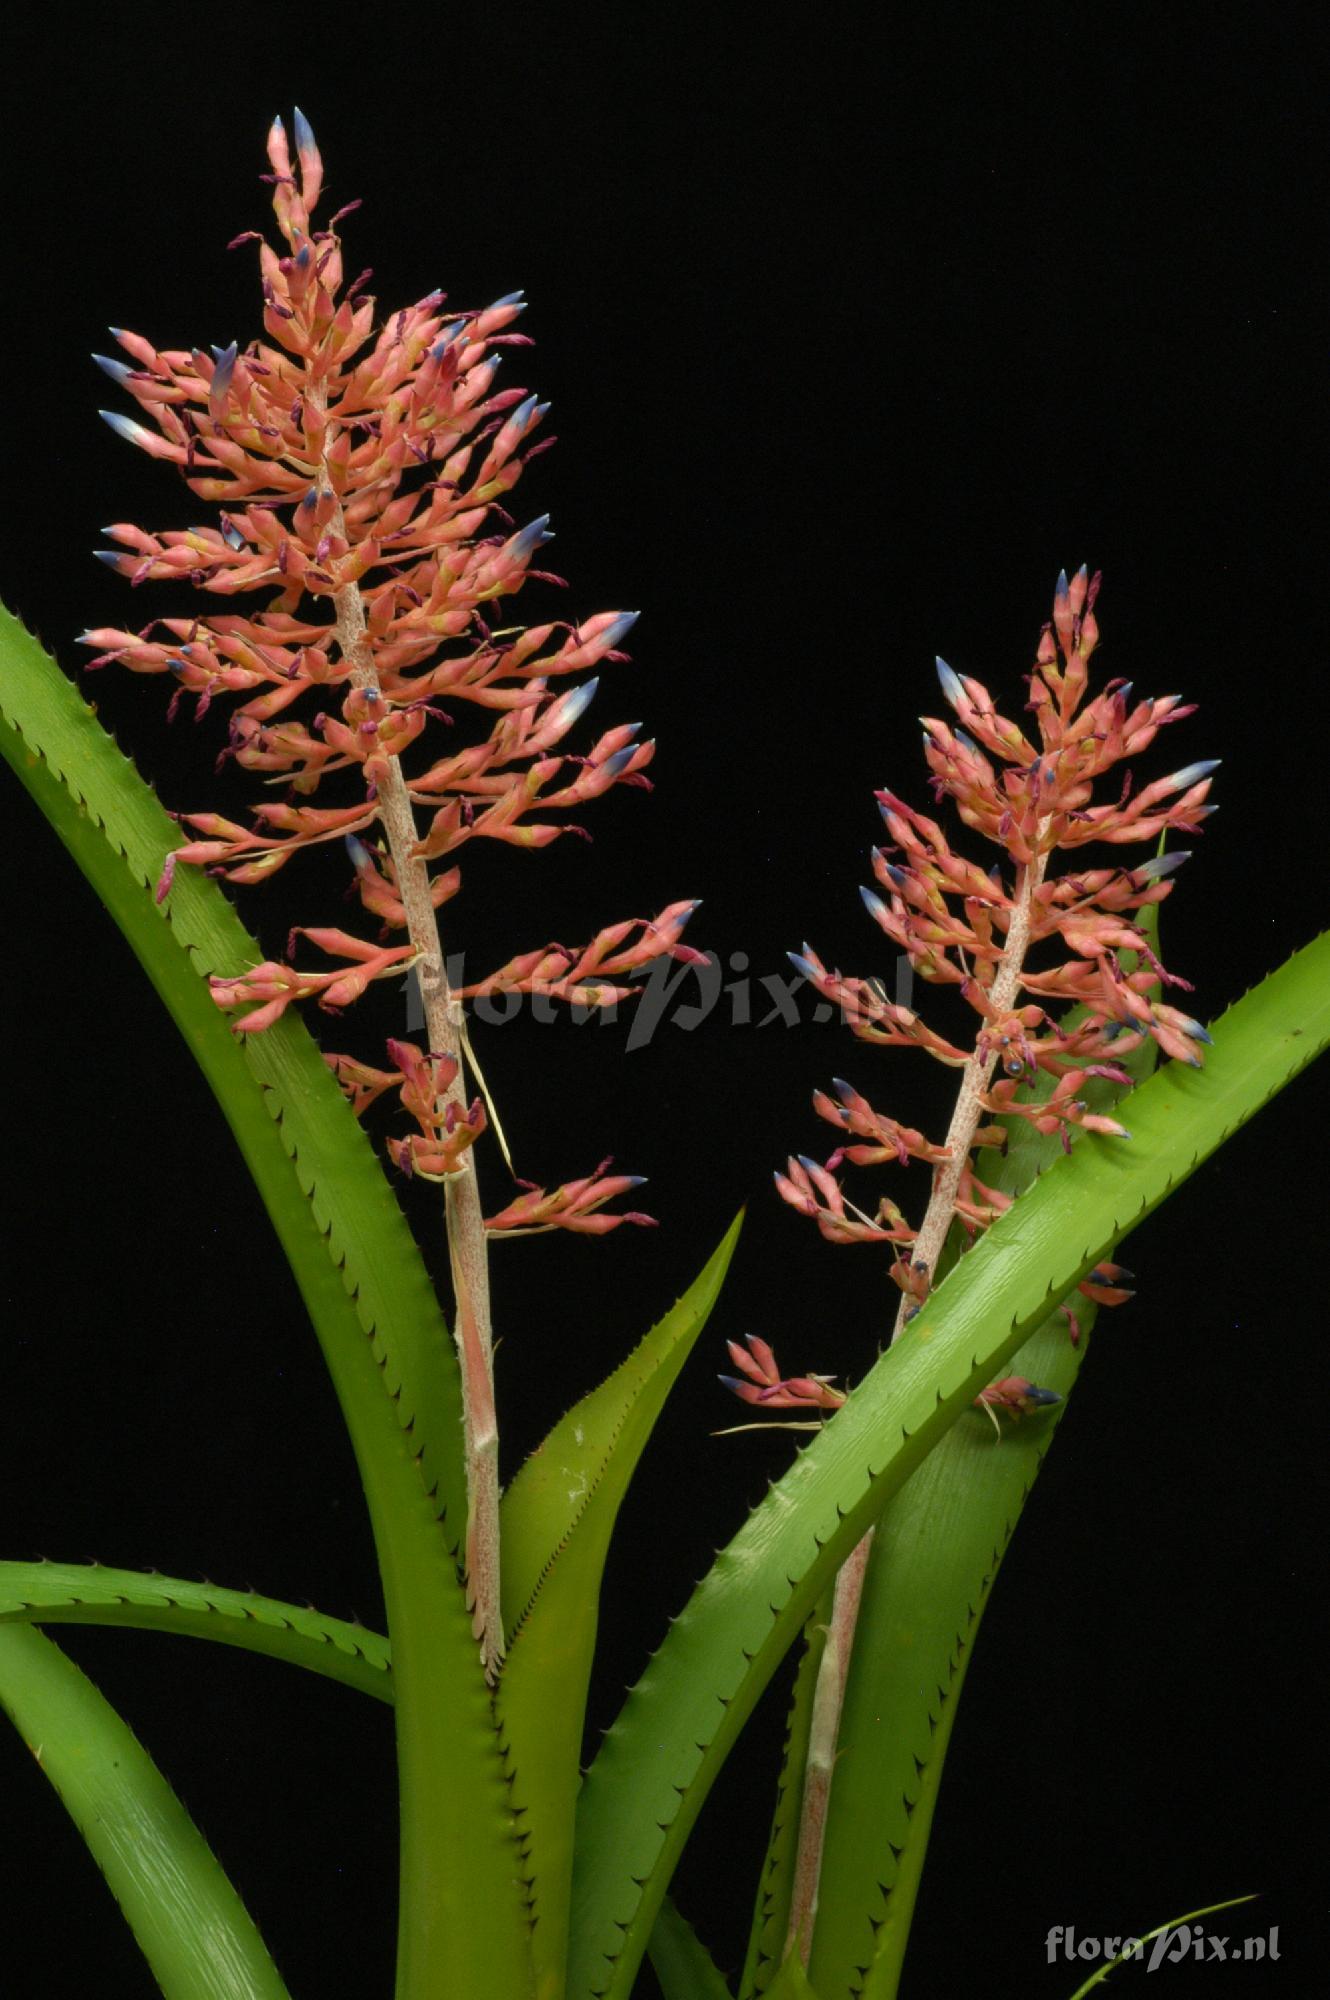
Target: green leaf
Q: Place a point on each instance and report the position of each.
(189, 1922)
(79, 1594)
(557, 1518)
(680, 1960)
(462, 1918)
(662, 1754)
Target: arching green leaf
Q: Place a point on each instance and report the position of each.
(86, 1594)
(189, 1922)
(557, 1519)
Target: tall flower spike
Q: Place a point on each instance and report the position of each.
(357, 574)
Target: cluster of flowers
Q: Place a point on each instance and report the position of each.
(358, 462)
(960, 925)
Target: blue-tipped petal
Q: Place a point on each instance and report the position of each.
(874, 905)
(531, 537)
(1163, 864)
(578, 701)
(119, 371)
(304, 133)
(1191, 774)
(801, 965)
(222, 373)
(620, 629)
(1196, 1033)
(517, 298)
(620, 760)
(809, 1166)
(125, 427)
(109, 556)
(1036, 1395)
(1062, 588)
(359, 853)
(951, 683)
(842, 1088)
(636, 1180)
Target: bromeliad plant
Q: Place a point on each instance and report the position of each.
(360, 465)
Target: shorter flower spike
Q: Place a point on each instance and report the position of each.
(1055, 1025)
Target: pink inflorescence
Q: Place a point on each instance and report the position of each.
(1030, 796)
(357, 456)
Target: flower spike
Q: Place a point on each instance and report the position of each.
(357, 580)
(1031, 796)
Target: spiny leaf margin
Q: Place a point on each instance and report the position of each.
(50, 1593)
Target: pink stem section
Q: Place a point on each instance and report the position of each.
(975, 1078)
(828, 1700)
(467, 1248)
(833, 1670)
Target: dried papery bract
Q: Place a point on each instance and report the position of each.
(360, 464)
(1017, 940)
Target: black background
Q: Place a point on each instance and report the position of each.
(851, 343)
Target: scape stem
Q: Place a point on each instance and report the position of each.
(834, 1667)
